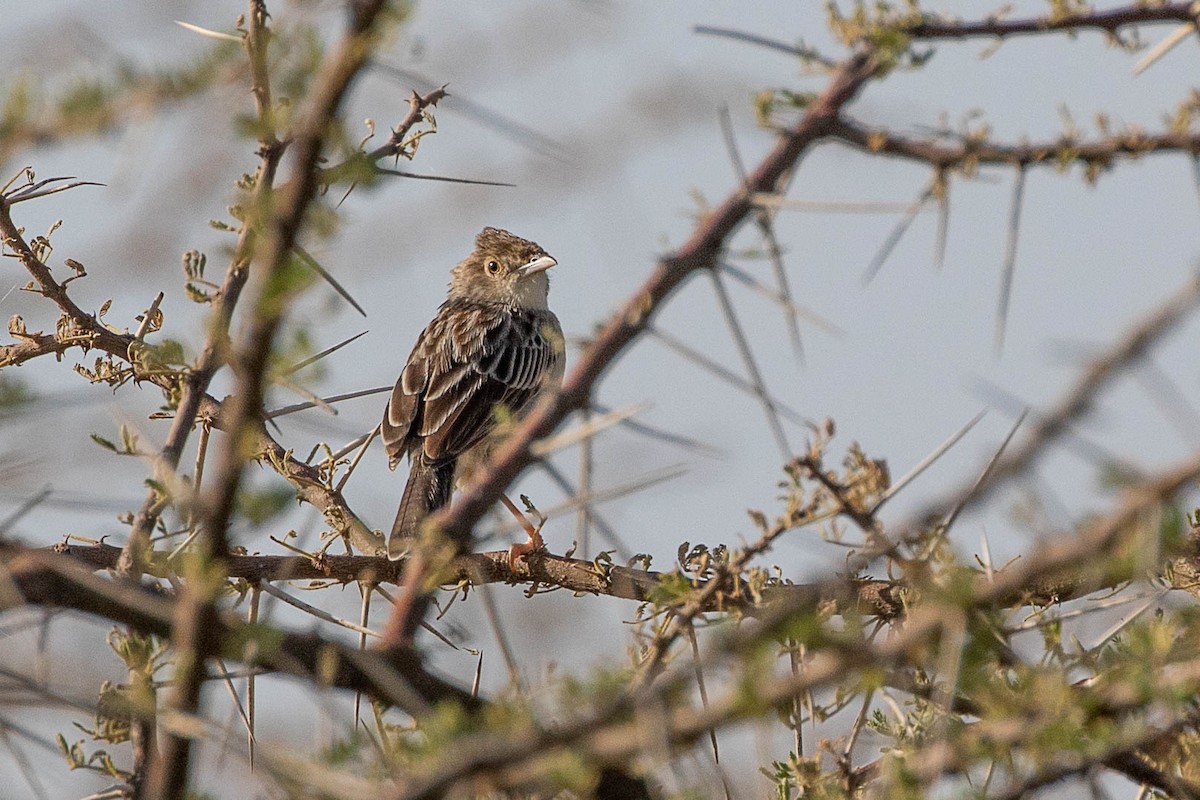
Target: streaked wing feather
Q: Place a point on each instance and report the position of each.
(397, 423)
(512, 354)
(405, 402)
(439, 410)
(466, 362)
(475, 418)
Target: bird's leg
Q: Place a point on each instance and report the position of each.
(535, 539)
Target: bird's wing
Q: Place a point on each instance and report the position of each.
(467, 361)
(399, 430)
(398, 418)
(497, 358)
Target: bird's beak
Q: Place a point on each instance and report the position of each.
(540, 264)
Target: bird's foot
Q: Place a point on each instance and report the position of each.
(525, 548)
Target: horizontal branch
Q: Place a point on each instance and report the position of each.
(948, 154)
(33, 345)
(882, 599)
(874, 597)
(1109, 21)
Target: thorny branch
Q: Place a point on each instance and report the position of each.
(43, 577)
(702, 250)
(195, 629)
(970, 152)
(880, 598)
(215, 348)
(1051, 572)
(1111, 21)
(194, 621)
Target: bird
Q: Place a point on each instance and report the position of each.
(492, 348)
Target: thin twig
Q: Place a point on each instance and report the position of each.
(658, 434)
(1168, 43)
(1101, 372)
(774, 295)
(1110, 21)
(893, 238)
(299, 365)
(316, 267)
(583, 517)
(928, 461)
(362, 451)
(763, 217)
(806, 53)
(750, 365)
(469, 181)
(527, 136)
(337, 398)
(721, 371)
(1010, 257)
(935, 151)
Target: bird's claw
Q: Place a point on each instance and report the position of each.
(525, 548)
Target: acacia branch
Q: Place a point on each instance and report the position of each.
(944, 154)
(216, 344)
(611, 735)
(85, 330)
(880, 598)
(885, 600)
(44, 577)
(324, 97)
(702, 250)
(1109, 21)
(196, 616)
(195, 624)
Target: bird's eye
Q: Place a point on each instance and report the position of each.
(493, 267)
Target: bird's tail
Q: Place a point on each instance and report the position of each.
(427, 490)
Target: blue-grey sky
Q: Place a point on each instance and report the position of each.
(629, 97)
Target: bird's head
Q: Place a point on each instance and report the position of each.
(503, 268)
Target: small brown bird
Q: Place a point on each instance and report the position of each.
(491, 348)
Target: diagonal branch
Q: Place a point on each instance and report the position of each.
(702, 250)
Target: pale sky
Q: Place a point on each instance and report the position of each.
(624, 99)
